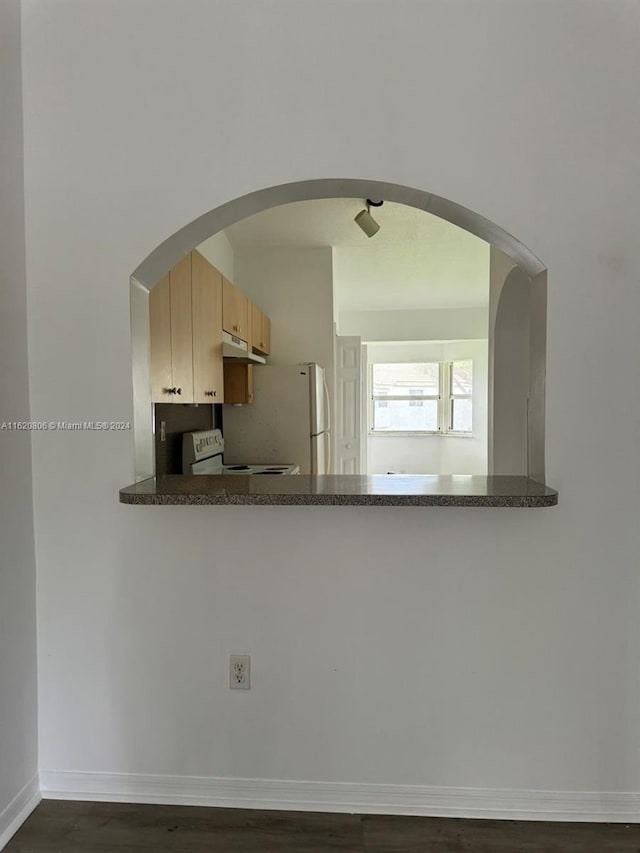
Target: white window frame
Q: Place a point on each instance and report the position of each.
(445, 402)
(450, 397)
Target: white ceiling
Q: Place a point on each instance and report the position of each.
(416, 260)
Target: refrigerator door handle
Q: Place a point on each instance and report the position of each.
(328, 434)
(328, 423)
(327, 405)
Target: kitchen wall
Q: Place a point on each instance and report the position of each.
(219, 252)
(18, 669)
(177, 420)
(468, 648)
(437, 454)
(294, 286)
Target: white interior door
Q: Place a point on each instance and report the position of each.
(348, 438)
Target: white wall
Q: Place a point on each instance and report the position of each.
(18, 690)
(294, 286)
(434, 454)
(500, 265)
(511, 372)
(219, 252)
(515, 630)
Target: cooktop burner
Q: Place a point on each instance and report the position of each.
(202, 454)
(260, 469)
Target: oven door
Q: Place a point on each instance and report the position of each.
(211, 465)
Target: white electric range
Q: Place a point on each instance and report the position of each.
(202, 454)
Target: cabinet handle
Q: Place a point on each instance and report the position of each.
(210, 393)
(170, 390)
(178, 390)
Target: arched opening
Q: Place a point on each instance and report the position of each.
(510, 259)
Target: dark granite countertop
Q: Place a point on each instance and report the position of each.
(341, 490)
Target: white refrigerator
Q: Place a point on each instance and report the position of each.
(288, 422)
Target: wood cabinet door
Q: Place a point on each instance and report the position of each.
(256, 327)
(206, 308)
(238, 383)
(249, 383)
(235, 311)
(181, 331)
(250, 325)
(260, 330)
(266, 334)
(160, 341)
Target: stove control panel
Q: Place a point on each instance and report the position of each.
(197, 446)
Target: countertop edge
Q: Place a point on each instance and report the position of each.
(517, 501)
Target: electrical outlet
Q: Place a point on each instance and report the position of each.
(239, 672)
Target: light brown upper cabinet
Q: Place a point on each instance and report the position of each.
(185, 321)
(171, 336)
(266, 334)
(206, 300)
(160, 340)
(235, 311)
(260, 330)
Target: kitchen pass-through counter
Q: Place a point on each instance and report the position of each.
(342, 490)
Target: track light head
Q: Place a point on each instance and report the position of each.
(368, 224)
(366, 221)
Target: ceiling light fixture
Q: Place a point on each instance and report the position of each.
(366, 221)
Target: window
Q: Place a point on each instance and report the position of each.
(428, 397)
(460, 395)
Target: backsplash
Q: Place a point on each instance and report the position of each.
(179, 419)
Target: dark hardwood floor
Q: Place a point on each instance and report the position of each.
(78, 827)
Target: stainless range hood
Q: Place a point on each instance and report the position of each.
(234, 348)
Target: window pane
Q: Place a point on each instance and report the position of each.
(405, 415)
(462, 377)
(400, 380)
(461, 420)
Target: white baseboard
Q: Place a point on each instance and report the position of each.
(19, 810)
(623, 807)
